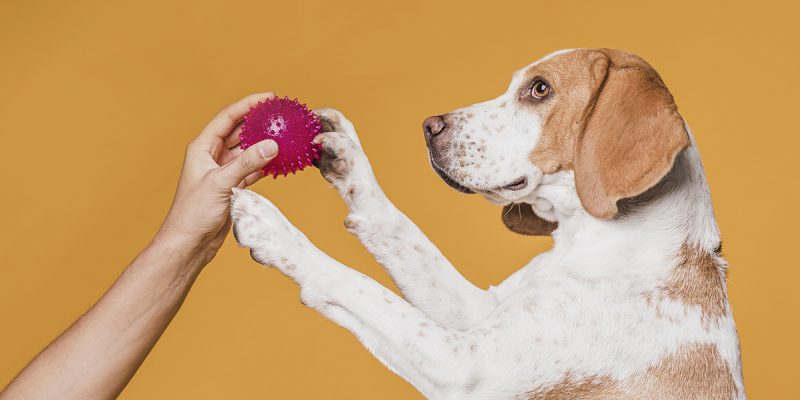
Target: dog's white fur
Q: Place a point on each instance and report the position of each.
(576, 310)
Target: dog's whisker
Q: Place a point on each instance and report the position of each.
(509, 209)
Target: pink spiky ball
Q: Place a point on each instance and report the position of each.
(291, 125)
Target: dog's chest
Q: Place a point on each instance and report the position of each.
(559, 325)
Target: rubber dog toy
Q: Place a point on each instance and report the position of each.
(291, 125)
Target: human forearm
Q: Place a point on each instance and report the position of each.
(99, 353)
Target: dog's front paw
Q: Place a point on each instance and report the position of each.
(260, 226)
(342, 162)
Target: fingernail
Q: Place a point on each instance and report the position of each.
(267, 148)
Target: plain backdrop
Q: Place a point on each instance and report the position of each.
(99, 99)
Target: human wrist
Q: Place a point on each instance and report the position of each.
(185, 251)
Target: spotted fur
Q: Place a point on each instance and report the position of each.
(625, 306)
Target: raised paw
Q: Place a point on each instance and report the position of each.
(260, 226)
(334, 121)
(339, 158)
(342, 162)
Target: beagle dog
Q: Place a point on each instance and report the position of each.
(630, 303)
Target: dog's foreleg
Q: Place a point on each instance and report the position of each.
(425, 277)
(439, 361)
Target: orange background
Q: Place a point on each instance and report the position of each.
(99, 100)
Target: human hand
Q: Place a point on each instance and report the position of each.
(198, 220)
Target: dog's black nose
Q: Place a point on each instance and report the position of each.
(433, 126)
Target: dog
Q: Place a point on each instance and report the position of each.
(586, 145)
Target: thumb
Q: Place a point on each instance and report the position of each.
(247, 162)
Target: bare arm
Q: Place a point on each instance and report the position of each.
(98, 355)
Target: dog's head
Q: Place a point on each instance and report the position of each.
(603, 117)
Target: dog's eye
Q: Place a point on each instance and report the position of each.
(540, 89)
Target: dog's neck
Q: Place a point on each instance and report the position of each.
(648, 232)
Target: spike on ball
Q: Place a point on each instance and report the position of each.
(291, 125)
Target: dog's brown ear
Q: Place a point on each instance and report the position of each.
(520, 218)
(631, 134)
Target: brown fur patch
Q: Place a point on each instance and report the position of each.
(697, 281)
(574, 84)
(631, 137)
(694, 372)
(611, 119)
(520, 218)
(594, 388)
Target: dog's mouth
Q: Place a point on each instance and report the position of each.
(450, 181)
(518, 184)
